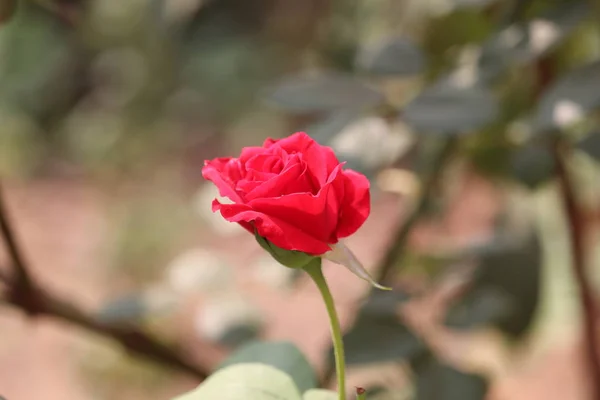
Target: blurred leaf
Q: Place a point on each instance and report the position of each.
(523, 42)
(505, 288)
(446, 108)
(532, 165)
(436, 381)
(481, 307)
(128, 309)
(239, 334)
(306, 93)
(473, 3)
(397, 56)
(320, 394)
(331, 125)
(243, 382)
(378, 335)
(591, 145)
(39, 68)
(284, 356)
(570, 98)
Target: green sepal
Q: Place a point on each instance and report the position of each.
(289, 258)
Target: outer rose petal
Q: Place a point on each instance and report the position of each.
(214, 171)
(321, 160)
(357, 203)
(277, 231)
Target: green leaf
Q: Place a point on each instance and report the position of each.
(320, 394)
(448, 108)
(591, 145)
(284, 356)
(578, 90)
(378, 335)
(520, 43)
(533, 165)
(436, 381)
(396, 56)
(243, 382)
(307, 93)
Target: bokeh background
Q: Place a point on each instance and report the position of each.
(475, 120)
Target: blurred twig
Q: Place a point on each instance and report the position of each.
(577, 231)
(27, 295)
(400, 238)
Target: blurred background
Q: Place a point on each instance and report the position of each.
(475, 120)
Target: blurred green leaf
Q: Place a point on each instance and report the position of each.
(378, 335)
(130, 309)
(306, 93)
(320, 394)
(284, 356)
(523, 42)
(332, 124)
(570, 98)
(396, 56)
(447, 108)
(244, 382)
(505, 288)
(590, 145)
(436, 381)
(532, 165)
(239, 334)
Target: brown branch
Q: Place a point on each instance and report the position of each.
(400, 239)
(577, 230)
(24, 293)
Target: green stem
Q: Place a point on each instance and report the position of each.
(316, 273)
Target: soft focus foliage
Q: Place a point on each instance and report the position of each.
(130, 98)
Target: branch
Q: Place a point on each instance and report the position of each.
(25, 294)
(134, 340)
(400, 238)
(577, 230)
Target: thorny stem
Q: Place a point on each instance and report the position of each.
(577, 233)
(316, 273)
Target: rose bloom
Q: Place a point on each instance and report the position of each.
(293, 192)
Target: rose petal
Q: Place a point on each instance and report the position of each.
(216, 171)
(321, 160)
(276, 230)
(356, 205)
(317, 215)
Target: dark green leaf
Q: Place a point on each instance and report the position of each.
(284, 356)
(397, 56)
(591, 145)
(307, 93)
(327, 128)
(533, 165)
(505, 288)
(446, 108)
(239, 334)
(128, 309)
(578, 90)
(436, 381)
(523, 42)
(378, 335)
(481, 307)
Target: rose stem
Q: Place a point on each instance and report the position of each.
(316, 273)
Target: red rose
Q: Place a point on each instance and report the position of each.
(293, 191)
